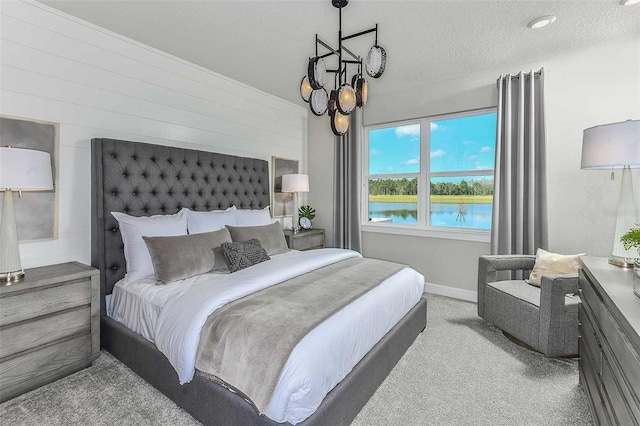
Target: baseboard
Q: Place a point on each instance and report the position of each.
(456, 293)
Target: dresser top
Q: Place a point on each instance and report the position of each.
(616, 287)
(48, 275)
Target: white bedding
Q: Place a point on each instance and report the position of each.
(173, 315)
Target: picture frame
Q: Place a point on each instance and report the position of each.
(282, 204)
(36, 212)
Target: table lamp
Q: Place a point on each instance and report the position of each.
(295, 183)
(20, 170)
(616, 146)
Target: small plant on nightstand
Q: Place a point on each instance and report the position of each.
(306, 214)
(631, 240)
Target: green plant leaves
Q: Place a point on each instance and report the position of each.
(307, 211)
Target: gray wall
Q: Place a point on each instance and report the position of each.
(589, 87)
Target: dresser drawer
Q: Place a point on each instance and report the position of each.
(592, 386)
(589, 297)
(31, 369)
(620, 352)
(617, 403)
(589, 339)
(22, 306)
(27, 335)
(304, 242)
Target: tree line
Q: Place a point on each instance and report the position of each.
(406, 186)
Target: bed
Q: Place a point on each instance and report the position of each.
(143, 180)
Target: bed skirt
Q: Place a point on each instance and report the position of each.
(213, 404)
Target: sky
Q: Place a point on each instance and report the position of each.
(465, 143)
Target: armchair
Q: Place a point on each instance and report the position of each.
(543, 318)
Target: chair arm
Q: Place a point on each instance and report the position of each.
(488, 265)
(553, 310)
(553, 288)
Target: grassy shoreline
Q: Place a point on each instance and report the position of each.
(435, 199)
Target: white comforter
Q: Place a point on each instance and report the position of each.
(321, 360)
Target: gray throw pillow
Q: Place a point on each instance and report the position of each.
(184, 256)
(242, 255)
(271, 236)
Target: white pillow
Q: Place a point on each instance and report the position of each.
(251, 217)
(132, 229)
(553, 263)
(201, 222)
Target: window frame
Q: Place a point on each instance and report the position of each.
(423, 227)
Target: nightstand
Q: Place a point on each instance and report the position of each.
(305, 240)
(49, 326)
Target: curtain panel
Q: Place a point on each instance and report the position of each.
(347, 185)
(520, 219)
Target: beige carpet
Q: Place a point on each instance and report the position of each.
(460, 371)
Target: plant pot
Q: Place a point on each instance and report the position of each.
(636, 278)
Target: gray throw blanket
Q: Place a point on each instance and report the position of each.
(245, 344)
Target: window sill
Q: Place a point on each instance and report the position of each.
(445, 233)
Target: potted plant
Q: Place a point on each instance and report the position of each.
(631, 240)
(306, 214)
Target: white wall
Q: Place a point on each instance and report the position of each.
(586, 88)
(96, 83)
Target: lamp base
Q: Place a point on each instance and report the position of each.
(623, 262)
(11, 277)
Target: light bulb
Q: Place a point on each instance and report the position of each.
(305, 89)
(339, 123)
(346, 99)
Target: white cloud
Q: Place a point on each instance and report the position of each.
(472, 157)
(468, 142)
(435, 126)
(437, 154)
(411, 162)
(410, 130)
(486, 149)
(374, 151)
(390, 169)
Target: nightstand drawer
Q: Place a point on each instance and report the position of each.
(22, 306)
(43, 330)
(40, 366)
(305, 242)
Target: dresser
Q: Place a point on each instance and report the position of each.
(609, 342)
(49, 326)
(305, 240)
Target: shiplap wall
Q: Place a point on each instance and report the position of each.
(96, 83)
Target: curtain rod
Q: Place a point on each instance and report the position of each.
(517, 76)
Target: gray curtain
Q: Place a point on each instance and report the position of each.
(347, 184)
(520, 219)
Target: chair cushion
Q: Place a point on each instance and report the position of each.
(519, 289)
(530, 293)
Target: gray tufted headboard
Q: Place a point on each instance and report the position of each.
(141, 179)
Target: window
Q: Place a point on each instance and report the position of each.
(433, 174)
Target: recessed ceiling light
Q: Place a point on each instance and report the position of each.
(543, 21)
(629, 2)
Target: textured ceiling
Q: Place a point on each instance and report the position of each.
(266, 43)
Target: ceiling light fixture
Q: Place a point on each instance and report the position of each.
(629, 2)
(347, 95)
(541, 22)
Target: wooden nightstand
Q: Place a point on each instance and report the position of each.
(49, 326)
(305, 240)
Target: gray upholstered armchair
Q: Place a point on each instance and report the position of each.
(543, 318)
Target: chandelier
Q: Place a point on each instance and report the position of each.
(346, 95)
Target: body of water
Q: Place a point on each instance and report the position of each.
(474, 216)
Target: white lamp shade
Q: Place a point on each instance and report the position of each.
(25, 170)
(295, 183)
(612, 145)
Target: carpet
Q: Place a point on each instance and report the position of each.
(460, 371)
